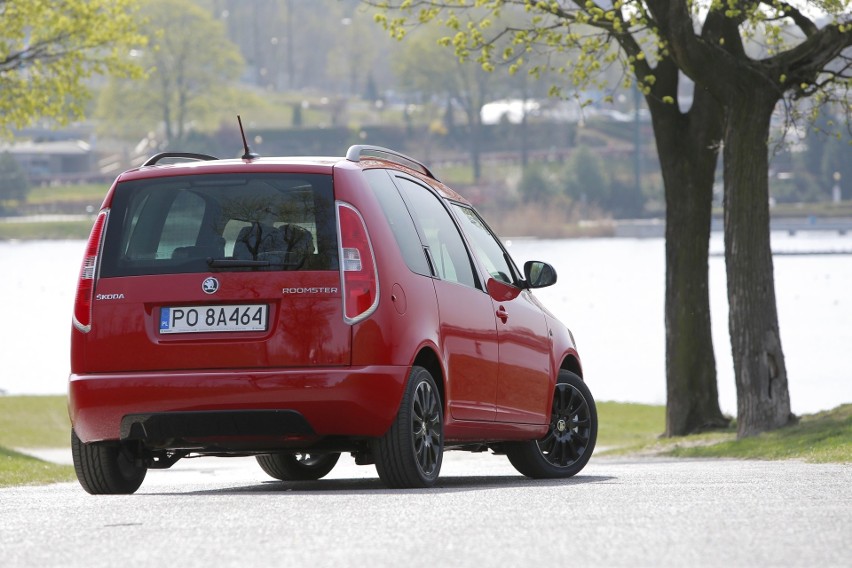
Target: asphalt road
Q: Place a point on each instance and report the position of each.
(617, 512)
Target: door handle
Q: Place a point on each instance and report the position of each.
(502, 314)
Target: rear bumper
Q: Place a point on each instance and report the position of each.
(346, 401)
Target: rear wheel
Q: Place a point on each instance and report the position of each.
(298, 466)
(105, 468)
(570, 440)
(411, 451)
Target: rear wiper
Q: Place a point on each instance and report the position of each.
(236, 263)
(249, 263)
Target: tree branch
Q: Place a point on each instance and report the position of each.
(803, 22)
(804, 62)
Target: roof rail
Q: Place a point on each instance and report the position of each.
(355, 153)
(186, 155)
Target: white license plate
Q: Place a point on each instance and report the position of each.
(203, 319)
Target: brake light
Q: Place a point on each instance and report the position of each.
(358, 274)
(86, 283)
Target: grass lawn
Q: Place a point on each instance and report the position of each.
(818, 438)
(823, 437)
(626, 424)
(46, 230)
(84, 193)
(20, 469)
(33, 422)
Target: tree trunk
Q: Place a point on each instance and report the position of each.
(763, 397)
(687, 145)
(476, 149)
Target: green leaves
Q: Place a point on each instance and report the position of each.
(48, 49)
(578, 40)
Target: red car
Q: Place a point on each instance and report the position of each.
(297, 308)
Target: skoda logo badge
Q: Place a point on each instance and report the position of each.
(210, 285)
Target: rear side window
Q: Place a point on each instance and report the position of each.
(446, 248)
(399, 220)
(221, 222)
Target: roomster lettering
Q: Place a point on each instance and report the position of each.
(309, 290)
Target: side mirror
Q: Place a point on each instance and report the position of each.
(539, 274)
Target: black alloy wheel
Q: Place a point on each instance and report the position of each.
(411, 451)
(570, 439)
(426, 422)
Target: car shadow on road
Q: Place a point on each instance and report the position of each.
(449, 484)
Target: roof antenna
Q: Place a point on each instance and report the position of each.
(249, 155)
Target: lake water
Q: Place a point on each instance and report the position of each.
(610, 293)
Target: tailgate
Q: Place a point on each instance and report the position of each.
(251, 320)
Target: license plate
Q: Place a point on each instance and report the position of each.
(204, 319)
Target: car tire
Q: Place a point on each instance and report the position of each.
(570, 440)
(410, 453)
(298, 466)
(105, 468)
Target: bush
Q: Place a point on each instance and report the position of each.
(537, 185)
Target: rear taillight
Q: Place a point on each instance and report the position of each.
(357, 265)
(86, 284)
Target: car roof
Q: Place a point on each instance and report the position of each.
(293, 164)
(301, 164)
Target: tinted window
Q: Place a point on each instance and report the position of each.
(486, 245)
(399, 220)
(244, 222)
(446, 247)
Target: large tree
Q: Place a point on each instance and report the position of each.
(49, 49)
(749, 89)
(425, 68)
(585, 36)
(189, 63)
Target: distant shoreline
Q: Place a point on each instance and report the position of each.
(77, 227)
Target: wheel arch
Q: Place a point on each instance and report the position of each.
(428, 359)
(572, 363)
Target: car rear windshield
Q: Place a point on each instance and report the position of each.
(221, 222)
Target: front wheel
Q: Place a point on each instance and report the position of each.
(411, 451)
(298, 466)
(105, 468)
(570, 440)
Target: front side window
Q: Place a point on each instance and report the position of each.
(204, 223)
(486, 245)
